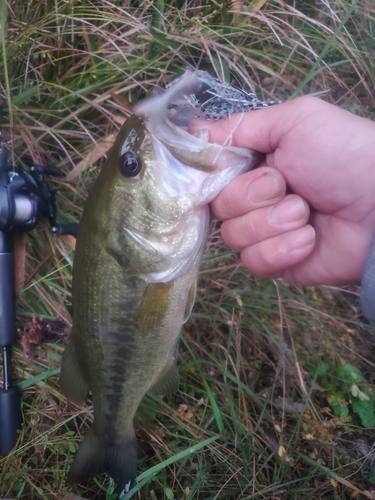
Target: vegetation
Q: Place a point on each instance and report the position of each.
(278, 384)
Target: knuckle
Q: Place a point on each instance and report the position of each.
(230, 235)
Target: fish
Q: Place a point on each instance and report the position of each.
(140, 242)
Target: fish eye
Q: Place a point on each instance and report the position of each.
(130, 164)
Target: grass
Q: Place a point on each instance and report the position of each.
(260, 362)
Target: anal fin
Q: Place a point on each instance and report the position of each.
(72, 383)
(190, 301)
(168, 381)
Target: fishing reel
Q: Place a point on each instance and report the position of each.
(25, 198)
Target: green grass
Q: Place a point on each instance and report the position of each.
(252, 418)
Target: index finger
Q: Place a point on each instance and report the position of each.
(262, 129)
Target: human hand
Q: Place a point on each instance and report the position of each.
(308, 212)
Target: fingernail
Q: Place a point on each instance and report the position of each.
(202, 134)
(264, 188)
(289, 210)
(298, 240)
(197, 124)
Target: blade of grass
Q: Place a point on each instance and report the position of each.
(147, 476)
(313, 71)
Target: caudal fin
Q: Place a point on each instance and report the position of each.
(95, 456)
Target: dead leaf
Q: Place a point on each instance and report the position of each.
(287, 79)
(182, 409)
(119, 119)
(69, 240)
(236, 6)
(257, 5)
(71, 496)
(124, 103)
(38, 331)
(334, 483)
(95, 154)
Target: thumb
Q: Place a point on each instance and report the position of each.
(262, 130)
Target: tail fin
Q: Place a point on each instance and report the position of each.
(94, 457)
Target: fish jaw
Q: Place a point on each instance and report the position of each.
(197, 174)
(208, 167)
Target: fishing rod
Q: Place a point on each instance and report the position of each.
(25, 198)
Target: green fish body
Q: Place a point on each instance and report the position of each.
(140, 242)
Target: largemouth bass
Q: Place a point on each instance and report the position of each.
(140, 242)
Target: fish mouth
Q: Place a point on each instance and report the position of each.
(168, 112)
(182, 99)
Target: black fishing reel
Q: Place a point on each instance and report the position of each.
(25, 198)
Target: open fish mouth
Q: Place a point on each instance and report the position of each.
(197, 94)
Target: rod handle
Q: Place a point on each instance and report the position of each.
(8, 333)
(10, 419)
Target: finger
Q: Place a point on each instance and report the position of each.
(257, 188)
(263, 129)
(272, 257)
(264, 223)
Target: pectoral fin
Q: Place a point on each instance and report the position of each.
(72, 382)
(168, 381)
(154, 306)
(190, 301)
